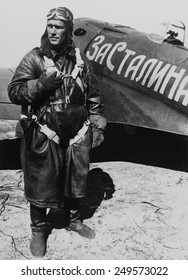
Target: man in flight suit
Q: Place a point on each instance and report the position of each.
(62, 119)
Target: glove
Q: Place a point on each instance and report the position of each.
(98, 124)
(49, 82)
(98, 137)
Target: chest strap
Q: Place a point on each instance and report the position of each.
(51, 67)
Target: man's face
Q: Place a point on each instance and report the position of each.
(56, 31)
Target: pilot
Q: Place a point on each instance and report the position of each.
(172, 38)
(175, 33)
(62, 119)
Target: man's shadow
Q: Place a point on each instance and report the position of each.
(100, 186)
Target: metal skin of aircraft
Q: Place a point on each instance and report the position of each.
(144, 81)
(8, 111)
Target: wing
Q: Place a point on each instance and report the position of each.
(8, 110)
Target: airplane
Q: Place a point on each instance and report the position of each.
(8, 111)
(143, 77)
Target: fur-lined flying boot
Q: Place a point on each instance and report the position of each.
(77, 225)
(41, 229)
(38, 242)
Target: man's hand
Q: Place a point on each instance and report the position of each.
(98, 124)
(98, 137)
(49, 82)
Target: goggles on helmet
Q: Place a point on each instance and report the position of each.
(61, 13)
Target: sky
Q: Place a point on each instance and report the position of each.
(22, 22)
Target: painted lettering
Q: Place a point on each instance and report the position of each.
(183, 92)
(162, 76)
(102, 53)
(95, 46)
(172, 74)
(151, 63)
(119, 47)
(128, 54)
(158, 75)
(138, 60)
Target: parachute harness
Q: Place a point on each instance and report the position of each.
(50, 67)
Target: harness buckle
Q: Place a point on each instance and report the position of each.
(51, 134)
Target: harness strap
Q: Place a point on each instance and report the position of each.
(49, 64)
(52, 135)
(57, 101)
(79, 64)
(50, 67)
(80, 133)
